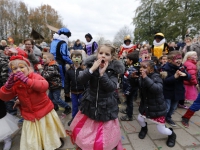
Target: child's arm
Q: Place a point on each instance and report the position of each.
(67, 83)
(154, 86)
(6, 94)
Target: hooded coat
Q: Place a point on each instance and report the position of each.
(99, 101)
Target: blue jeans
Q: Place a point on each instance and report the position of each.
(171, 106)
(129, 103)
(54, 95)
(75, 103)
(196, 104)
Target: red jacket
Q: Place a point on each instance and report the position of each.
(34, 101)
(192, 70)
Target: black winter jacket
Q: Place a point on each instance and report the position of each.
(99, 101)
(71, 83)
(152, 100)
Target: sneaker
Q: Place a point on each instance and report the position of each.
(170, 122)
(7, 143)
(68, 110)
(123, 111)
(126, 118)
(182, 106)
(185, 122)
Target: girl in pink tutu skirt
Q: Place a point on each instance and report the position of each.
(96, 125)
(42, 128)
(190, 62)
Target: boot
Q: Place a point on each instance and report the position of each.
(68, 110)
(69, 123)
(143, 132)
(186, 117)
(67, 99)
(171, 139)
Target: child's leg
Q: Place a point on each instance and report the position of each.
(75, 104)
(57, 99)
(171, 106)
(141, 121)
(53, 101)
(129, 102)
(163, 130)
(168, 131)
(196, 104)
(7, 143)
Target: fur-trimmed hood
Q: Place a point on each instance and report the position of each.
(116, 65)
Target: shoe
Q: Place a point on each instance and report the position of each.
(185, 122)
(183, 106)
(69, 123)
(56, 108)
(123, 111)
(68, 110)
(143, 132)
(170, 122)
(62, 143)
(171, 141)
(7, 143)
(126, 118)
(67, 99)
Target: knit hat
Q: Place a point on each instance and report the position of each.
(21, 58)
(89, 35)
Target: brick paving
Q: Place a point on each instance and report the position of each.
(187, 139)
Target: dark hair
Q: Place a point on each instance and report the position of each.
(88, 35)
(76, 53)
(155, 59)
(31, 40)
(134, 56)
(68, 34)
(151, 64)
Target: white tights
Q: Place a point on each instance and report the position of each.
(161, 128)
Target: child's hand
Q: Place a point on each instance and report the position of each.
(176, 75)
(96, 65)
(143, 73)
(21, 77)
(10, 81)
(134, 74)
(182, 74)
(102, 70)
(17, 102)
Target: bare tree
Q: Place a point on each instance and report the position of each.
(119, 37)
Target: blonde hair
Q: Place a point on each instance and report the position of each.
(17, 62)
(188, 54)
(49, 55)
(112, 50)
(3, 41)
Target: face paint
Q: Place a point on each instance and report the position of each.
(144, 52)
(177, 60)
(76, 59)
(179, 56)
(20, 68)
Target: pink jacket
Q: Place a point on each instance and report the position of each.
(34, 101)
(192, 70)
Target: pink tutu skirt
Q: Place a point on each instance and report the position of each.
(89, 134)
(191, 92)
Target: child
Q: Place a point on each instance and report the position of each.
(96, 125)
(163, 60)
(130, 86)
(144, 55)
(190, 62)
(41, 122)
(52, 74)
(71, 83)
(8, 122)
(152, 104)
(173, 87)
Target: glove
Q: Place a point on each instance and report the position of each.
(21, 77)
(10, 81)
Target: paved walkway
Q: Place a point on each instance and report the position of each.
(187, 139)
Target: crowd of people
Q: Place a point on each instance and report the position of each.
(163, 75)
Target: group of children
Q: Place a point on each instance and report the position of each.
(92, 86)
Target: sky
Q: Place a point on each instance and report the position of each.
(97, 17)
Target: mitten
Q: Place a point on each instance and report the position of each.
(21, 77)
(10, 81)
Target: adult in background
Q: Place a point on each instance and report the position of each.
(159, 47)
(90, 45)
(77, 45)
(3, 45)
(196, 47)
(59, 49)
(127, 47)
